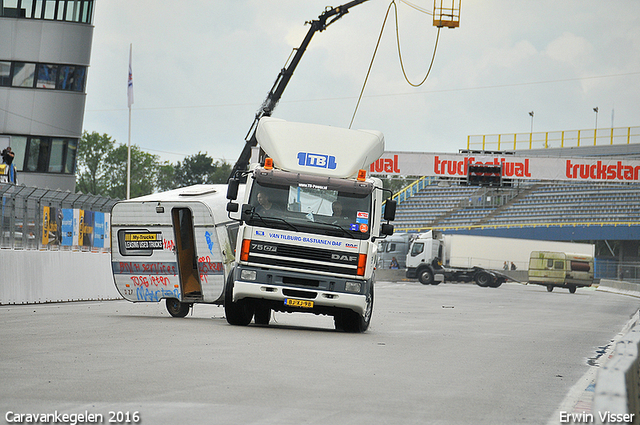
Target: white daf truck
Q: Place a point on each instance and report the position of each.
(310, 219)
(302, 237)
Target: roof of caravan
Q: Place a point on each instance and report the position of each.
(212, 195)
(319, 149)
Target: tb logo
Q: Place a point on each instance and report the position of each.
(317, 160)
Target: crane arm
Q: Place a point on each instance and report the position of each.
(329, 16)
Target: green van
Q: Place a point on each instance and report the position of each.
(561, 269)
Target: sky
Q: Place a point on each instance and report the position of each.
(202, 68)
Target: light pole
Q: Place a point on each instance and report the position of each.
(595, 132)
(531, 115)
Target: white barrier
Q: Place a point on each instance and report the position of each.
(31, 276)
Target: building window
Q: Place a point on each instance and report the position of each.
(44, 154)
(37, 158)
(19, 148)
(56, 159)
(23, 74)
(55, 10)
(43, 75)
(70, 156)
(5, 73)
(47, 76)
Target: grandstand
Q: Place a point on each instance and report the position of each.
(604, 213)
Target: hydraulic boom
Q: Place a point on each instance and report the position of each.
(329, 16)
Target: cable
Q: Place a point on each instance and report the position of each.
(375, 51)
(400, 55)
(416, 7)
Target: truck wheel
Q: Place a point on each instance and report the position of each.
(350, 321)
(572, 289)
(177, 308)
(549, 288)
(262, 315)
(239, 313)
(484, 279)
(425, 276)
(496, 283)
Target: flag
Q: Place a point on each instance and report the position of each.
(130, 84)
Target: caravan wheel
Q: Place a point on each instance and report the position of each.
(177, 308)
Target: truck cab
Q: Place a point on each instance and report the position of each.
(309, 223)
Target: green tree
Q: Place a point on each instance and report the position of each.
(195, 169)
(92, 169)
(144, 169)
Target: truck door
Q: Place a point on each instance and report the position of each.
(186, 252)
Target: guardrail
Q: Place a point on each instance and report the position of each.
(516, 225)
(44, 219)
(617, 389)
(555, 139)
(412, 189)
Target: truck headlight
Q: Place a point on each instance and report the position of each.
(248, 275)
(352, 286)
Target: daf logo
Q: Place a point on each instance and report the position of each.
(343, 257)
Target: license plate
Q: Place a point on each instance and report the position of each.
(298, 303)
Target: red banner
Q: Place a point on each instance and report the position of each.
(516, 167)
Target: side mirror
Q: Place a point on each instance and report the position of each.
(247, 212)
(232, 190)
(386, 229)
(232, 207)
(390, 210)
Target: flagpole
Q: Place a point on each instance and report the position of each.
(130, 102)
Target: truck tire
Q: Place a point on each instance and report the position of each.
(177, 308)
(238, 313)
(496, 283)
(425, 276)
(572, 289)
(262, 315)
(350, 321)
(484, 279)
(549, 288)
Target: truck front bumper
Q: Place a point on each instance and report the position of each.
(322, 299)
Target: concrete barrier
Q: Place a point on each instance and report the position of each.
(620, 287)
(617, 389)
(31, 276)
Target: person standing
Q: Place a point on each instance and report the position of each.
(7, 158)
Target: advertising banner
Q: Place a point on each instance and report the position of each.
(518, 167)
(98, 230)
(67, 227)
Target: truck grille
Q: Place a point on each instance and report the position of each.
(303, 258)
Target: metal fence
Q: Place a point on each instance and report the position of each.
(44, 219)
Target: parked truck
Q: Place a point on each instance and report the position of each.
(480, 259)
(394, 248)
(561, 269)
(298, 236)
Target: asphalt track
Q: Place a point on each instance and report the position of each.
(446, 354)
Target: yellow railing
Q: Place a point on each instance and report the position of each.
(554, 139)
(514, 225)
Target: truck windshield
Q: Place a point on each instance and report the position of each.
(331, 207)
